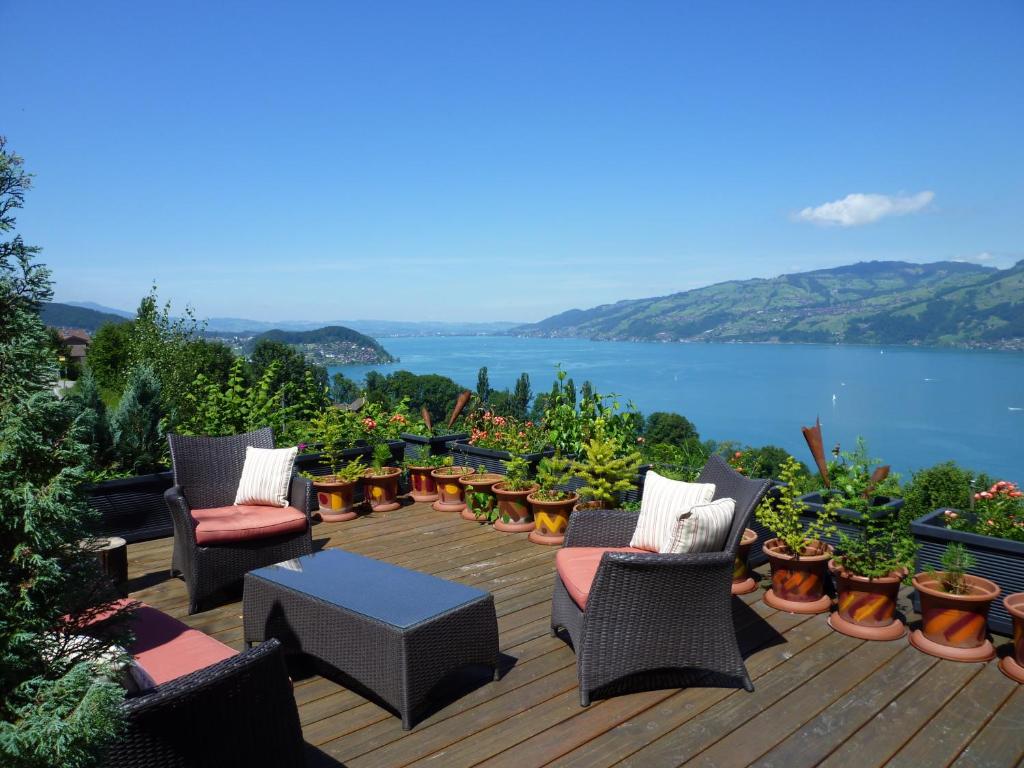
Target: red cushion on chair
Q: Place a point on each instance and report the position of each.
(243, 522)
(577, 567)
(168, 649)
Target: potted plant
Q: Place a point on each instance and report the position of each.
(954, 609)
(550, 503)
(480, 501)
(336, 492)
(606, 470)
(380, 481)
(335, 487)
(494, 439)
(1012, 665)
(989, 523)
(449, 492)
(743, 581)
(422, 486)
(798, 555)
(514, 514)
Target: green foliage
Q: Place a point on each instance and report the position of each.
(604, 473)
(292, 368)
(571, 422)
(517, 474)
(95, 424)
(943, 485)
(108, 355)
(956, 562)
(553, 472)
(382, 458)
(53, 710)
(682, 462)
(483, 385)
(136, 426)
(334, 430)
(437, 393)
(851, 480)
(334, 335)
(343, 389)
(998, 511)
(782, 516)
(674, 429)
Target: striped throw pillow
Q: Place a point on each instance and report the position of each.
(664, 502)
(266, 476)
(703, 529)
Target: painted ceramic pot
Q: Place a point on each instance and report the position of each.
(866, 608)
(550, 519)
(954, 627)
(382, 490)
(798, 583)
(743, 581)
(336, 499)
(1013, 665)
(514, 512)
(421, 484)
(480, 483)
(449, 490)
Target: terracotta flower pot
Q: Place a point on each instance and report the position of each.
(1013, 665)
(743, 581)
(449, 491)
(550, 519)
(335, 499)
(954, 627)
(866, 608)
(482, 483)
(798, 583)
(422, 485)
(514, 513)
(382, 490)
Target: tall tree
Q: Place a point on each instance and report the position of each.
(483, 385)
(521, 396)
(56, 708)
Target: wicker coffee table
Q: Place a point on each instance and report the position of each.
(395, 631)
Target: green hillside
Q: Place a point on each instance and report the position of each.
(330, 345)
(944, 303)
(66, 316)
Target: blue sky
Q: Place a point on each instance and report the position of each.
(484, 161)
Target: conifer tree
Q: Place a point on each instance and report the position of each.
(56, 707)
(136, 426)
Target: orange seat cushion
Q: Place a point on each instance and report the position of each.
(577, 567)
(168, 649)
(244, 522)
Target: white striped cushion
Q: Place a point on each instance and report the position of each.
(663, 503)
(266, 475)
(703, 529)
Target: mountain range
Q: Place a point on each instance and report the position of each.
(945, 303)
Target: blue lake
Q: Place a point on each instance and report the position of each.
(915, 407)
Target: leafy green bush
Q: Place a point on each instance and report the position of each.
(782, 517)
(604, 473)
(137, 427)
(943, 485)
(664, 428)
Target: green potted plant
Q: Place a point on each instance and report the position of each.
(422, 486)
(450, 494)
(514, 514)
(335, 491)
(605, 469)
(798, 555)
(954, 609)
(551, 504)
(480, 500)
(380, 481)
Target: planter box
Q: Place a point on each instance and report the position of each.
(1000, 560)
(472, 456)
(846, 519)
(417, 446)
(133, 507)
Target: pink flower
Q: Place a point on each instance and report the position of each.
(949, 513)
(991, 522)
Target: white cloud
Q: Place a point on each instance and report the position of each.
(857, 209)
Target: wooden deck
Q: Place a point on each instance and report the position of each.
(821, 698)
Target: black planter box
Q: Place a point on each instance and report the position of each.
(133, 507)
(418, 446)
(471, 456)
(847, 519)
(1000, 560)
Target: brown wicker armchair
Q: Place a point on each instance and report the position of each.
(206, 475)
(654, 620)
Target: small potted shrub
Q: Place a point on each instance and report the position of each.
(422, 486)
(380, 481)
(336, 492)
(868, 569)
(798, 555)
(480, 500)
(450, 496)
(1012, 665)
(551, 504)
(954, 609)
(606, 470)
(514, 514)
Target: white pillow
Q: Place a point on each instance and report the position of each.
(664, 502)
(266, 476)
(703, 529)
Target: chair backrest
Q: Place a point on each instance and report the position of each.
(730, 484)
(208, 468)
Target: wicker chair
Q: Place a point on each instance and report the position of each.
(652, 620)
(206, 475)
(240, 711)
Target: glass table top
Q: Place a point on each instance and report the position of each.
(376, 589)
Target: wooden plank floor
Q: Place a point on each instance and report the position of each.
(821, 698)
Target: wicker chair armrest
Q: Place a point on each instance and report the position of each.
(601, 528)
(190, 712)
(180, 509)
(300, 495)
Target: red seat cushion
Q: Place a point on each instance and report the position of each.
(577, 567)
(243, 522)
(167, 649)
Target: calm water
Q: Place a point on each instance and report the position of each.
(915, 407)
